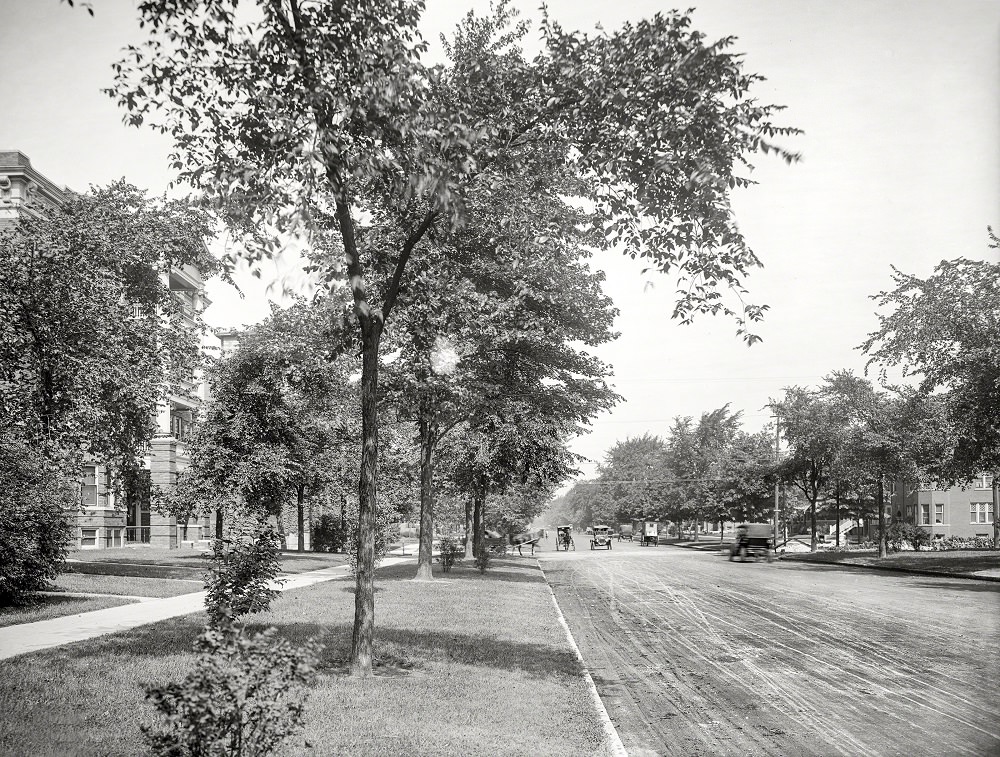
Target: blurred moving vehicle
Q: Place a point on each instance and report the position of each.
(752, 540)
(602, 537)
(624, 531)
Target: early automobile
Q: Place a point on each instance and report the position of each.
(752, 540)
(601, 538)
(624, 531)
(564, 538)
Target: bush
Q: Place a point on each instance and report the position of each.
(328, 535)
(900, 533)
(963, 542)
(34, 534)
(244, 565)
(243, 698)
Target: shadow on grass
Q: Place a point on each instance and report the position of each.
(137, 570)
(404, 649)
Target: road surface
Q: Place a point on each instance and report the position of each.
(695, 655)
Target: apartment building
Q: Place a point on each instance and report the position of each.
(110, 515)
(957, 511)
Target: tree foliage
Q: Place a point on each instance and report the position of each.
(90, 336)
(945, 329)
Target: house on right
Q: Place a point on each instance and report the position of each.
(959, 511)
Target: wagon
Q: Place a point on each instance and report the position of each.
(752, 540)
(647, 531)
(564, 538)
(601, 538)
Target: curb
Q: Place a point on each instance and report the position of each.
(611, 736)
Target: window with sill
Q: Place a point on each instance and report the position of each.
(981, 512)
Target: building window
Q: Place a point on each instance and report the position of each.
(88, 538)
(939, 512)
(981, 512)
(911, 513)
(95, 487)
(984, 482)
(179, 426)
(114, 537)
(925, 515)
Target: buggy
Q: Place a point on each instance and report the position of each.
(752, 540)
(564, 538)
(601, 538)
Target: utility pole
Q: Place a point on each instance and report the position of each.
(777, 481)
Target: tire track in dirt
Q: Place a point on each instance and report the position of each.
(702, 660)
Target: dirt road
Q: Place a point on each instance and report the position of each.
(696, 655)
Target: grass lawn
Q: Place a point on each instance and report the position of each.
(178, 563)
(954, 562)
(46, 607)
(127, 585)
(466, 665)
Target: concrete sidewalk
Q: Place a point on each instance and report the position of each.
(43, 634)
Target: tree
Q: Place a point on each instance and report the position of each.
(33, 530)
(946, 330)
(90, 336)
(277, 418)
(696, 455)
(91, 340)
(815, 427)
(897, 436)
(326, 106)
(630, 480)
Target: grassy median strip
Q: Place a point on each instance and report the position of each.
(466, 664)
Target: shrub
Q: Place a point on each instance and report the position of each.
(963, 542)
(34, 534)
(483, 558)
(244, 568)
(329, 535)
(900, 533)
(244, 696)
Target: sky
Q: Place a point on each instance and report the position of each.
(899, 101)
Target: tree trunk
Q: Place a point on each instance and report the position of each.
(837, 495)
(812, 524)
(477, 524)
(362, 639)
(468, 527)
(218, 523)
(300, 497)
(428, 438)
(996, 511)
(880, 504)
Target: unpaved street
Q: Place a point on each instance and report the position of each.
(696, 655)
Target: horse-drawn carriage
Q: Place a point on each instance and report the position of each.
(752, 540)
(601, 538)
(564, 538)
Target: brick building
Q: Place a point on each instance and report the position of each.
(106, 518)
(959, 511)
